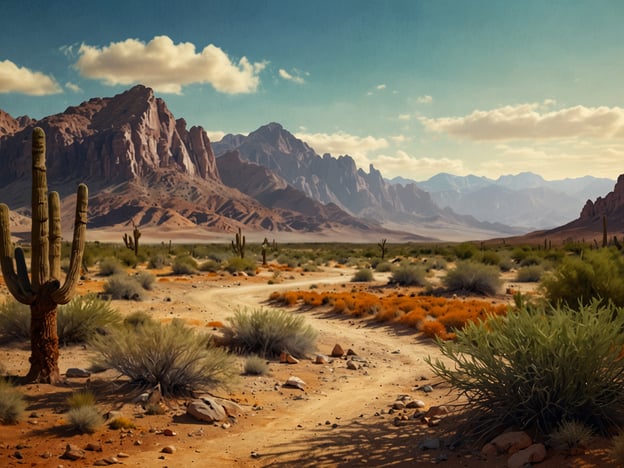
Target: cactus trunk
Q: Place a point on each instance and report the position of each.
(43, 292)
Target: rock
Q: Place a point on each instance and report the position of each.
(168, 449)
(169, 433)
(511, 442)
(352, 365)
(415, 404)
(295, 382)
(123, 455)
(287, 358)
(232, 409)
(398, 405)
(206, 409)
(321, 359)
(427, 388)
(73, 453)
(93, 447)
(437, 411)
(532, 454)
(350, 352)
(428, 444)
(76, 373)
(337, 351)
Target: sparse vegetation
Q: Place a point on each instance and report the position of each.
(111, 266)
(256, 365)
(530, 274)
(268, 332)
(409, 275)
(174, 356)
(364, 275)
(184, 265)
(570, 435)
(12, 404)
(83, 414)
(469, 276)
(14, 320)
(83, 317)
(124, 287)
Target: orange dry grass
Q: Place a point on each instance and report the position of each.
(434, 316)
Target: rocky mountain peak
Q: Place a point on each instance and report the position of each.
(613, 202)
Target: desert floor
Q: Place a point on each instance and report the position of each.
(342, 418)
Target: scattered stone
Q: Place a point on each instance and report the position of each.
(398, 405)
(337, 351)
(231, 408)
(168, 449)
(18, 455)
(429, 444)
(93, 447)
(321, 359)
(169, 433)
(76, 373)
(532, 454)
(396, 351)
(437, 411)
(122, 455)
(225, 425)
(255, 454)
(73, 453)
(415, 404)
(350, 352)
(295, 382)
(427, 388)
(509, 442)
(206, 409)
(112, 415)
(100, 462)
(287, 358)
(352, 365)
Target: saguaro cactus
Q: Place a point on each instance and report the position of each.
(238, 245)
(43, 291)
(133, 242)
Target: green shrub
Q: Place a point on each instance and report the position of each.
(383, 267)
(363, 276)
(84, 316)
(236, 264)
(570, 435)
(488, 257)
(285, 259)
(121, 422)
(268, 332)
(184, 265)
(85, 419)
(12, 404)
(530, 260)
(110, 266)
(210, 266)
(81, 398)
(530, 274)
(465, 250)
(409, 275)
(179, 359)
(473, 277)
(598, 274)
(124, 287)
(127, 257)
(537, 368)
(139, 319)
(14, 320)
(157, 261)
(256, 365)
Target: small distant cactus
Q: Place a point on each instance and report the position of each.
(238, 244)
(264, 247)
(133, 242)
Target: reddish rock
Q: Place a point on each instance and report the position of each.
(337, 351)
(533, 454)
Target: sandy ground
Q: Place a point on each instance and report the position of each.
(342, 418)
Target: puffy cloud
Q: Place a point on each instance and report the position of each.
(167, 67)
(426, 99)
(380, 87)
(295, 77)
(402, 164)
(527, 121)
(215, 135)
(73, 87)
(404, 116)
(14, 79)
(341, 143)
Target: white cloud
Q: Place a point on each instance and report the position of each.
(404, 117)
(73, 87)
(167, 67)
(380, 87)
(295, 76)
(14, 79)
(525, 121)
(215, 135)
(398, 139)
(402, 164)
(426, 99)
(341, 143)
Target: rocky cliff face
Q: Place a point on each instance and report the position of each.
(610, 204)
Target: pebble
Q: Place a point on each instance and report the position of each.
(168, 449)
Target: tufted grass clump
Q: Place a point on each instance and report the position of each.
(85, 419)
(469, 276)
(14, 321)
(530, 274)
(174, 356)
(236, 264)
(538, 367)
(83, 317)
(268, 332)
(124, 287)
(184, 265)
(12, 404)
(363, 275)
(81, 398)
(110, 266)
(570, 435)
(256, 365)
(145, 279)
(122, 423)
(409, 275)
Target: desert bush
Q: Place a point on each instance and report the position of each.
(173, 356)
(536, 368)
(529, 260)
(363, 276)
(473, 277)
(85, 419)
(14, 320)
(530, 274)
(597, 274)
(145, 279)
(110, 266)
(488, 257)
(383, 267)
(184, 265)
(570, 435)
(268, 332)
(124, 287)
(465, 250)
(209, 266)
(409, 275)
(157, 261)
(81, 398)
(12, 404)
(83, 317)
(286, 259)
(256, 365)
(127, 257)
(236, 264)
(121, 422)
(138, 319)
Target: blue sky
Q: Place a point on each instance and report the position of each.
(413, 87)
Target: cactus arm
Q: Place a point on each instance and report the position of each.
(20, 290)
(64, 294)
(40, 268)
(54, 207)
(22, 274)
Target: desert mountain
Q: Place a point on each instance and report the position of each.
(330, 180)
(525, 199)
(142, 166)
